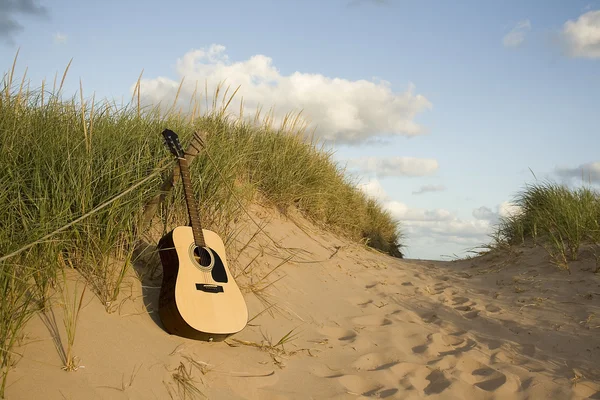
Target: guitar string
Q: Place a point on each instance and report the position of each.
(204, 272)
(201, 258)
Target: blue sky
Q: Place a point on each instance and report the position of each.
(496, 88)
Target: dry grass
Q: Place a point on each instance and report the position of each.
(276, 349)
(186, 385)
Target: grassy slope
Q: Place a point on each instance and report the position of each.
(556, 217)
(60, 161)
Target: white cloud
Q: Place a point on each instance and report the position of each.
(582, 37)
(429, 188)
(508, 209)
(484, 213)
(403, 213)
(448, 231)
(439, 224)
(395, 166)
(516, 36)
(475, 229)
(374, 190)
(60, 38)
(343, 110)
(585, 172)
(503, 210)
(446, 227)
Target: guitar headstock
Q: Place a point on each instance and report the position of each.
(172, 142)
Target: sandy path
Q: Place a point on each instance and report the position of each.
(369, 326)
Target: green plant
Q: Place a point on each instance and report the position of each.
(559, 218)
(71, 309)
(15, 311)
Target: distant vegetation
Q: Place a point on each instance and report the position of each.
(556, 217)
(64, 160)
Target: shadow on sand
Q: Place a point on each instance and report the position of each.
(148, 267)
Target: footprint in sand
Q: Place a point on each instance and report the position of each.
(513, 326)
(425, 380)
(387, 393)
(375, 362)
(436, 289)
(379, 393)
(480, 375)
(371, 320)
(492, 308)
(439, 344)
(463, 308)
(469, 345)
(458, 300)
(451, 340)
(437, 383)
(471, 314)
(338, 333)
(358, 385)
(420, 349)
(429, 317)
(491, 379)
(386, 366)
(460, 305)
(365, 303)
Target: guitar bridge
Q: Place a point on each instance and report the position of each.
(209, 288)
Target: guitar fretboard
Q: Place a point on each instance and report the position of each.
(191, 204)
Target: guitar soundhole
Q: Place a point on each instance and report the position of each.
(202, 256)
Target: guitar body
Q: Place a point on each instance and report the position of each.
(196, 303)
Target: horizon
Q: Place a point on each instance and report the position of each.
(480, 101)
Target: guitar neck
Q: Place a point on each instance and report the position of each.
(191, 204)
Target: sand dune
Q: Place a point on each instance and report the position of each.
(500, 326)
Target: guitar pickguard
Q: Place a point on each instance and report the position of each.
(218, 272)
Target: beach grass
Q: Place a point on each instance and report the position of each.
(77, 172)
(552, 215)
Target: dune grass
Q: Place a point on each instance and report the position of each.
(76, 174)
(554, 216)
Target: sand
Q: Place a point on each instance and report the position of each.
(506, 325)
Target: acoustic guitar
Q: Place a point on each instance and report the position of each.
(199, 299)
